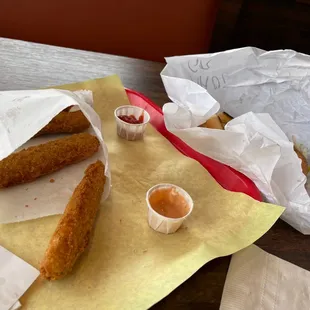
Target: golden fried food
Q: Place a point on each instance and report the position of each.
(213, 122)
(224, 118)
(304, 163)
(72, 234)
(217, 121)
(36, 161)
(66, 122)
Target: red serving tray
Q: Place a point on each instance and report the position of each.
(226, 176)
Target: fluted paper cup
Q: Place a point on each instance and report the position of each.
(162, 223)
(128, 131)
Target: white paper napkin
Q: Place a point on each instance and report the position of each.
(15, 278)
(257, 280)
(22, 115)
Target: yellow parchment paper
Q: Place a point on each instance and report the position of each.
(128, 265)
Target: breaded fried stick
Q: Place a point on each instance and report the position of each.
(74, 228)
(213, 122)
(224, 118)
(66, 122)
(304, 163)
(36, 161)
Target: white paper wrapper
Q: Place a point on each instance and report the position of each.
(246, 80)
(15, 278)
(16, 306)
(22, 115)
(240, 82)
(257, 280)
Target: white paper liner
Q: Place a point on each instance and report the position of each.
(16, 306)
(23, 114)
(15, 278)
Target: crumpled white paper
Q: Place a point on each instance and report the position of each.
(22, 115)
(16, 276)
(244, 81)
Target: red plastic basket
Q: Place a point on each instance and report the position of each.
(227, 177)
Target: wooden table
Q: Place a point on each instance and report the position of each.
(26, 65)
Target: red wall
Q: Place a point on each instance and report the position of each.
(136, 28)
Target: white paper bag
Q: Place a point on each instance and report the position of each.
(247, 80)
(22, 115)
(241, 82)
(257, 280)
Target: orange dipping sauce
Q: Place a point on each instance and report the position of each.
(169, 203)
(131, 119)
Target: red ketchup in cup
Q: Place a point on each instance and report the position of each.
(131, 119)
(131, 122)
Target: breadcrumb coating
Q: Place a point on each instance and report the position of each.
(73, 231)
(29, 164)
(66, 122)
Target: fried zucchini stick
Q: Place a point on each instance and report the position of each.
(36, 161)
(304, 163)
(66, 122)
(224, 118)
(74, 228)
(213, 122)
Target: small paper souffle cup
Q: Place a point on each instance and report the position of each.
(129, 131)
(162, 223)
